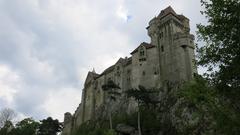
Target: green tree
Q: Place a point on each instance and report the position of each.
(6, 115)
(7, 128)
(215, 115)
(112, 92)
(143, 97)
(221, 53)
(26, 127)
(49, 127)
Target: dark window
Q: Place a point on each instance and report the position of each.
(162, 48)
(141, 52)
(184, 46)
(142, 59)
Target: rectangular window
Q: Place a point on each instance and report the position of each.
(162, 48)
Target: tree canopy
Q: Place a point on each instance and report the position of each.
(49, 127)
(27, 126)
(221, 52)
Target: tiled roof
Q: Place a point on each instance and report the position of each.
(146, 45)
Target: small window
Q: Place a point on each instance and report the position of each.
(155, 71)
(142, 59)
(162, 48)
(184, 46)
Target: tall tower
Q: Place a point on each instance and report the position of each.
(170, 32)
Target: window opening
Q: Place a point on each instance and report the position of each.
(162, 48)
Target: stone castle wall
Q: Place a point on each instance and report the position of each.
(168, 58)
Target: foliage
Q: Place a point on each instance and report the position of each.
(212, 110)
(143, 96)
(150, 121)
(6, 129)
(221, 51)
(92, 128)
(124, 118)
(6, 115)
(221, 55)
(26, 127)
(49, 127)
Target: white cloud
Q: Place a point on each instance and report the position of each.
(9, 85)
(122, 13)
(60, 101)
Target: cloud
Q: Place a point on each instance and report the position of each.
(48, 46)
(56, 102)
(9, 84)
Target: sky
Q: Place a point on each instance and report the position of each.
(47, 47)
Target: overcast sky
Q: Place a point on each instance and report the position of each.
(48, 46)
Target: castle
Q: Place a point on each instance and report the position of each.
(168, 58)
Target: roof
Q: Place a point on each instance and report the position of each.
(166, 11)
(169, 10)
(146, 45)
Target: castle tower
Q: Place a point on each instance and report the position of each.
(170, 32)
(67, 125)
